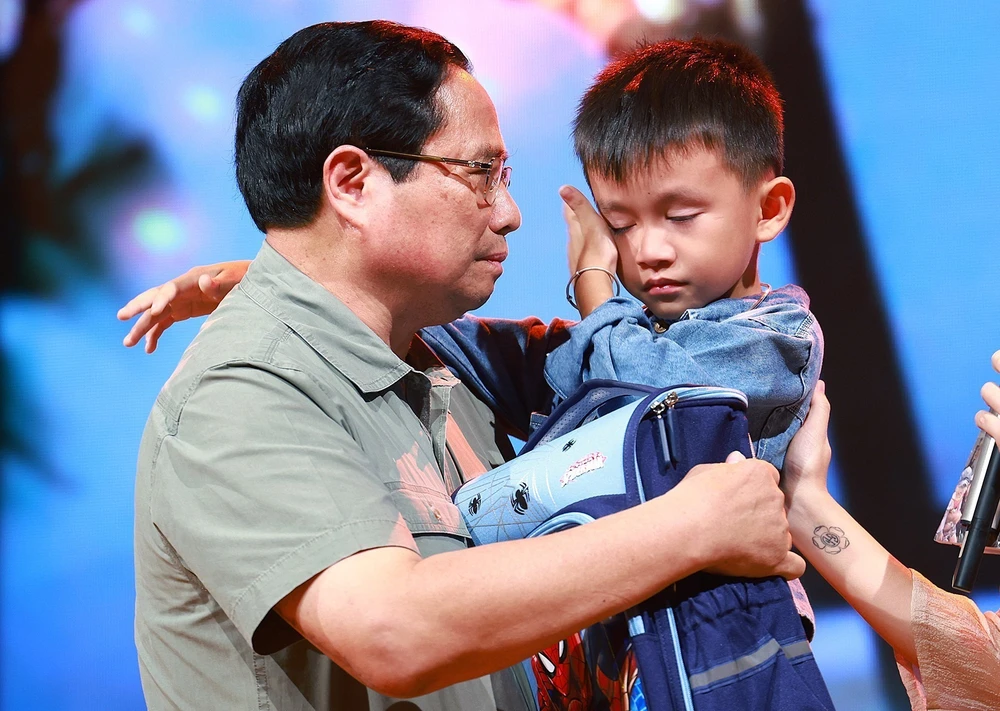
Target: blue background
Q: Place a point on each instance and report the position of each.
(915, 97)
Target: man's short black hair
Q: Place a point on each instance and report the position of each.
(674, 93)
(368, 84)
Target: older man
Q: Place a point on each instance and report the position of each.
(296, 544)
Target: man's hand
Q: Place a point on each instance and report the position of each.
(744, 518)
(809, 452)
(195, 293)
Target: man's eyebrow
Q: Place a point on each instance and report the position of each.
(493, 151)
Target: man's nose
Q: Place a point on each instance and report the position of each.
(506, 215)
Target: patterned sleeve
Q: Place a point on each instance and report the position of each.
(958, 652)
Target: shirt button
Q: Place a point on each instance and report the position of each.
(437, 514)
(659, 327)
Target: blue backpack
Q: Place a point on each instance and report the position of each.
(705, 643)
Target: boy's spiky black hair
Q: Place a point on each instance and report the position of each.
(672, 94)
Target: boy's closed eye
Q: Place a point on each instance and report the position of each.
(676, 218)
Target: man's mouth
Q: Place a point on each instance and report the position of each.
(498, 257)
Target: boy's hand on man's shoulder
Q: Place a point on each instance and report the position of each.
(195, 293)
(590, 243)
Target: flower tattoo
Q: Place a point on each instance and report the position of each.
(832, 539)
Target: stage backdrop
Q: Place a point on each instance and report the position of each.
(117, 174)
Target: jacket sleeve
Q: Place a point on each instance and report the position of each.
(502, 362)
(772, 353)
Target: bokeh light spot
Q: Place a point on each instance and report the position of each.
(203, 103)
(660, 10)
(158, 230)
(138, 20)
(11, 15)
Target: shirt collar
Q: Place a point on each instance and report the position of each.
(323, 321)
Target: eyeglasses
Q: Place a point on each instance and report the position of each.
(497, 173)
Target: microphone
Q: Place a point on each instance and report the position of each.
(980, 515)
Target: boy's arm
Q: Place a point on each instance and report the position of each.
(591, 248)
(195, 293)
(502, 362)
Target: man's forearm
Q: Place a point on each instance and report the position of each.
(550, 587)
(406, 626)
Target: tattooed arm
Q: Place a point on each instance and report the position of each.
(877, 585)
(923, 623)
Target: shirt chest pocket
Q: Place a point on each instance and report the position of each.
(418, 491)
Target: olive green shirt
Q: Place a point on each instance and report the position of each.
(289, 438)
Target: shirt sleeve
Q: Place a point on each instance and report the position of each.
(958, 652)
(773, 354)
(261, 490)
(502, 361)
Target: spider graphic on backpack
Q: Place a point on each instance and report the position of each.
(520, 498)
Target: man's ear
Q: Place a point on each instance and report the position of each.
(777, 198)
(349, 177)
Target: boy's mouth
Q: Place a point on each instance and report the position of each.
(662, 287)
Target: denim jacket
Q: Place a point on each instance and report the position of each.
(771, 350)
(773, 353)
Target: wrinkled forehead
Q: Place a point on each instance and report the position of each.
(470, 122)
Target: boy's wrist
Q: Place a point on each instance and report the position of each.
(589, 287)
(598, 258)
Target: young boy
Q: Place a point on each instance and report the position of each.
(681, 144)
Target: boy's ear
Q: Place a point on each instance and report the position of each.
(348, 181)
(777, 197)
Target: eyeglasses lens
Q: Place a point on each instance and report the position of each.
(498, 174)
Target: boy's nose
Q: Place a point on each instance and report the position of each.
(655, 250)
